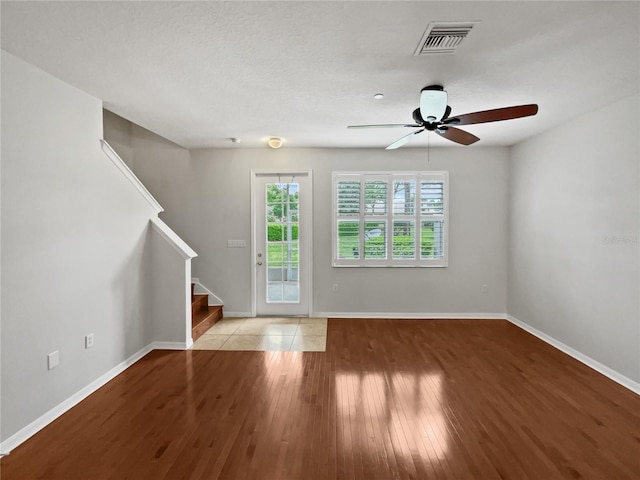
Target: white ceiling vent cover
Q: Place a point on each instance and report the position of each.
(443, 37)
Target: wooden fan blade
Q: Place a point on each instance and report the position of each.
(386, 125)
(496, 115)
(457, 135)
(401, 141)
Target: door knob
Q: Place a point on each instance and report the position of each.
(259, 263)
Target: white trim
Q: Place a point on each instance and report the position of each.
(239, 315)
(213, 300)
(269, 172)
(588, 361)
(126, 171)
(39, 423)
(309, 200)
(171, 345)
(413, 315)
(252, 199)
(388, 217)
(262, 173)
(173, 239)
(581, 357)
(188, 312)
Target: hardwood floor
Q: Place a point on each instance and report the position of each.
(390, 399)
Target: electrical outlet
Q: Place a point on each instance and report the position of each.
(53, 359)
(335, 287)
(485, 288)
(88, 341)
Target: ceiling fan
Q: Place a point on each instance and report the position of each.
(433, 115)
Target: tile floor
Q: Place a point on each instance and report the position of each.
(266, 334)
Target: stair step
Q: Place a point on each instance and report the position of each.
(199, 302)
(204, 319)
(199, 316)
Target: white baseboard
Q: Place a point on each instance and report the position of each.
(425, 316)
(170, 345)
(41, 422)
(38, 424)
(581, 357)
(237, 314)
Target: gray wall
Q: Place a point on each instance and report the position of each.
(573, 238)
(162, 166)
(169, 298)
(478, 230)
(74, 259)
(555, 218)
(118, 132)
(206, 196)
(523, 217)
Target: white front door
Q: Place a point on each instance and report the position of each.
(282, 239)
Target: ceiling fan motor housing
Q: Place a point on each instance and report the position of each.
(417, 117)
(431, 126)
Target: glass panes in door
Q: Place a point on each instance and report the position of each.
(282, 240)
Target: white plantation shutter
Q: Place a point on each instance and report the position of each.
(390, 219)
(432, 213)
(348, 199)
(348, 213)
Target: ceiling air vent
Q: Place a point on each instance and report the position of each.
(443, 37)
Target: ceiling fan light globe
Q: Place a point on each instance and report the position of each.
(433, 103)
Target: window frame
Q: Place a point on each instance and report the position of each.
(388, 217)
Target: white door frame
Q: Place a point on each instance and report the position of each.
(307, 241)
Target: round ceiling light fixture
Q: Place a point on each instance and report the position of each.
(378, 96)
(274, 142)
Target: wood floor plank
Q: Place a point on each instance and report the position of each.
(388, 400)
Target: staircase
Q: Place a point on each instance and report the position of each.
(203, 316)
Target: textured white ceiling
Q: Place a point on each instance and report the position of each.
(199, 73)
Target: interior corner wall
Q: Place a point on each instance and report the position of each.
(162, 166)
(164, 169)
(117, 131)
(169, 292)
(478, 230)
(574, 264)
(74, 247)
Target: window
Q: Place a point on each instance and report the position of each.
(394, 219)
